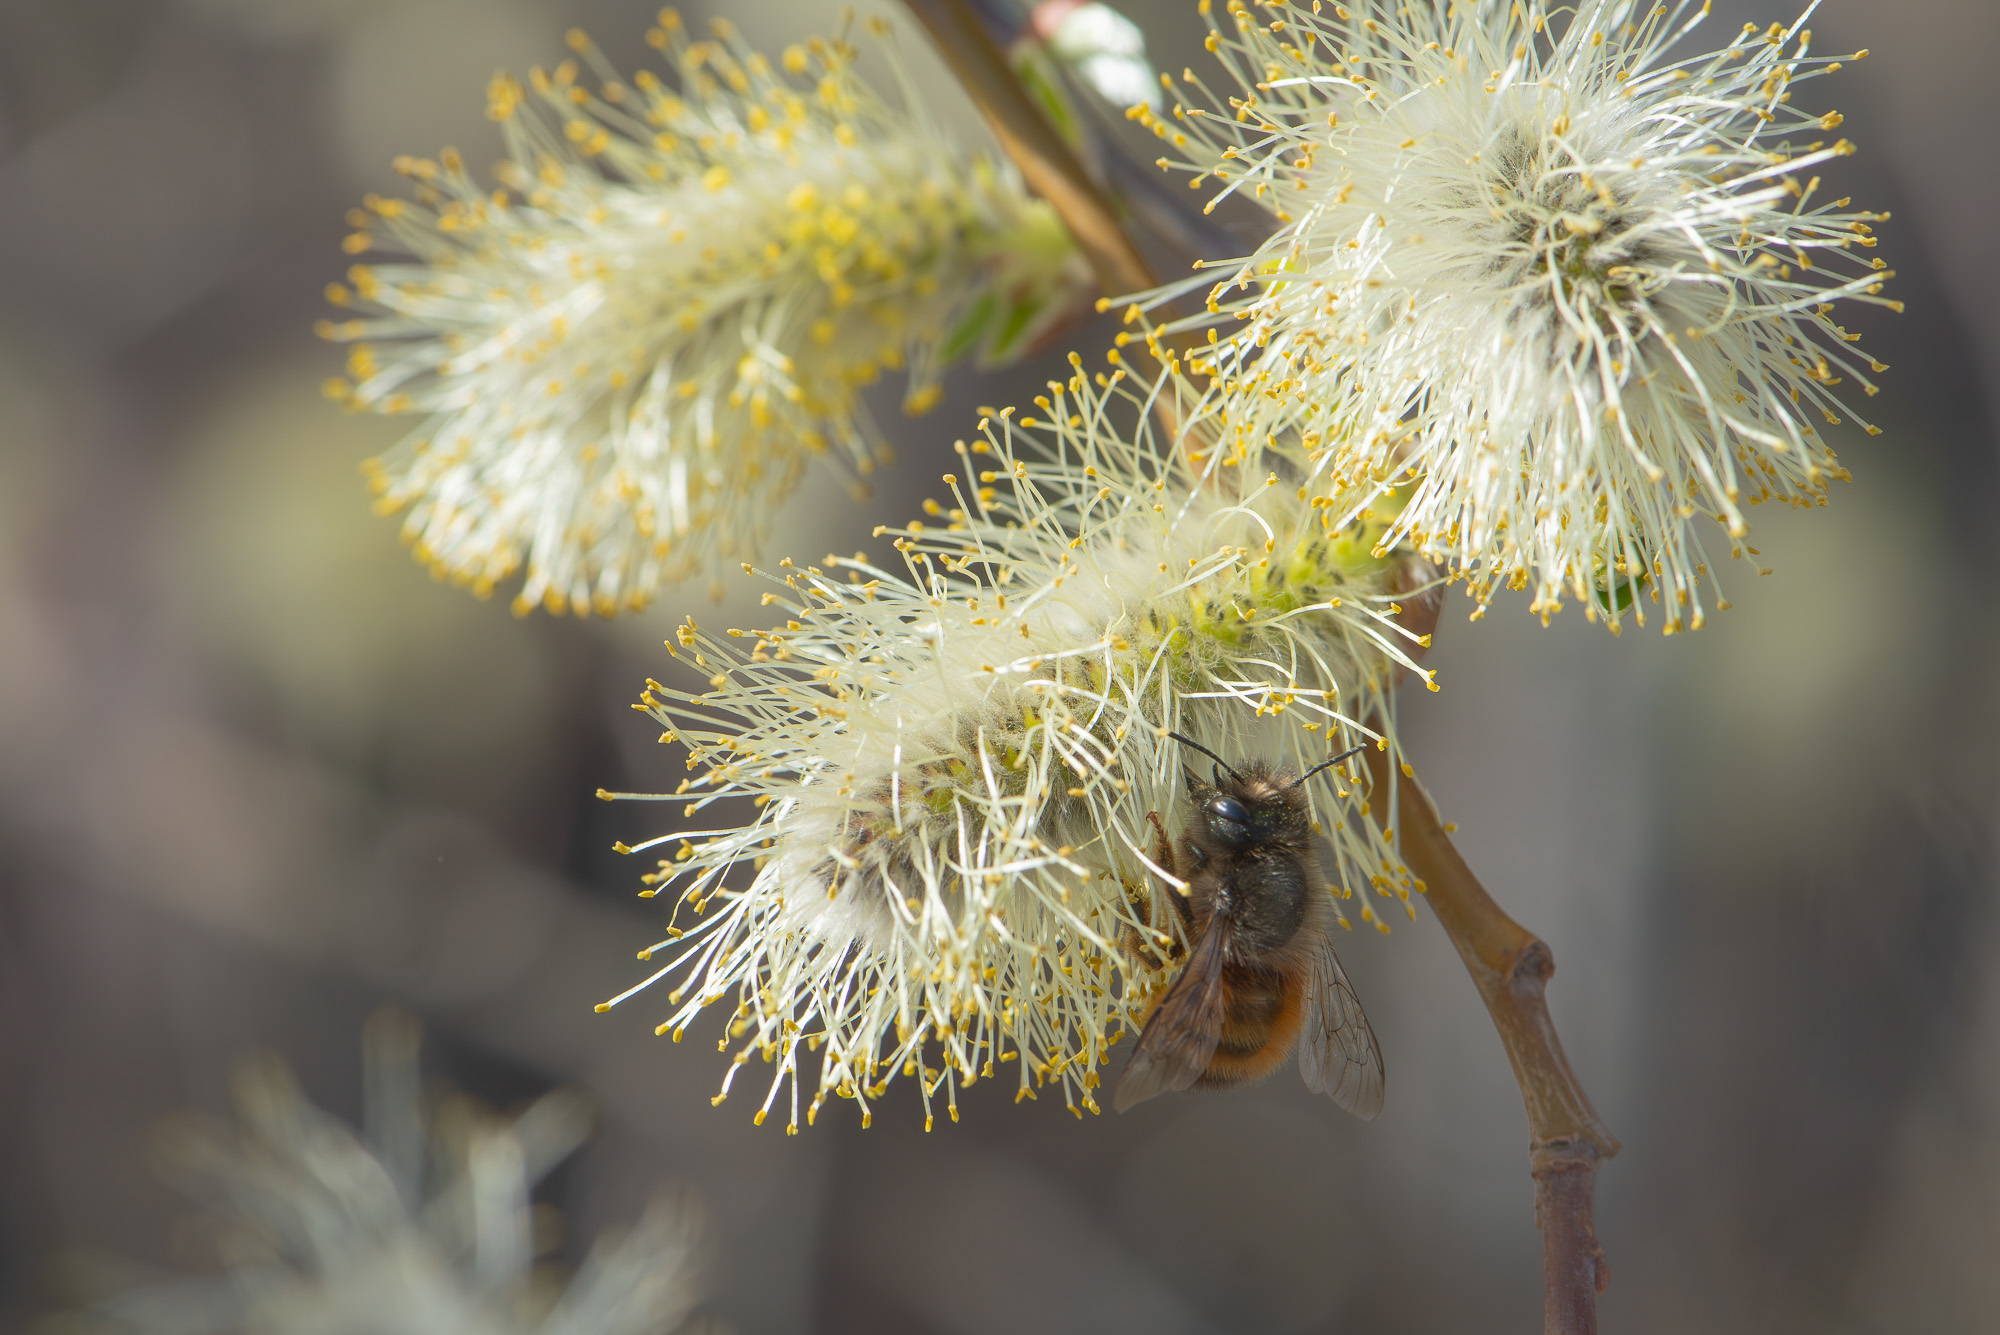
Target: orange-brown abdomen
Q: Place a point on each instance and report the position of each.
(1262, 1009)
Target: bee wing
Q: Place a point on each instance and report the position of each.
(1179, 1040)
(1338, 1054)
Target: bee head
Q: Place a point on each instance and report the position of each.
(1240, 810)
(1230, 822)
(1248, 811)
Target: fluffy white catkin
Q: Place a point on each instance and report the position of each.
(633, 350)
(930, 787)
(1566, 283)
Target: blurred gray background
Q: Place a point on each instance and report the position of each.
(258, 774)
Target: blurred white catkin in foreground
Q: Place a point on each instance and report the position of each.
(421, 1225)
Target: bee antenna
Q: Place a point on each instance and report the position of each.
(1189, 741)
(1327, 764)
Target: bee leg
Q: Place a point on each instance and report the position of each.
(1163, 854)
(1163, 846)
(1130, 940)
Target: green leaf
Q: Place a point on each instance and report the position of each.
(1044, 87)
(1020, 318)
(1619, 596)
(966, 335)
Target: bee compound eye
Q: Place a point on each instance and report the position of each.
(1229, 809)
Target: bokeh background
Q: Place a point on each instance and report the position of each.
(258, 775)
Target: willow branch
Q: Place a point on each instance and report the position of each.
(1051, 169)
(1046, 161)
(1511, 967)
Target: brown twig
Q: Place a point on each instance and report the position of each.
(1511, 967)
(1045, 160)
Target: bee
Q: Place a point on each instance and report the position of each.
(1263, 975)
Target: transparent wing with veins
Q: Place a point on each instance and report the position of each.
(1338, 1054)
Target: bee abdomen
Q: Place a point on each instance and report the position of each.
(1261, 1012)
